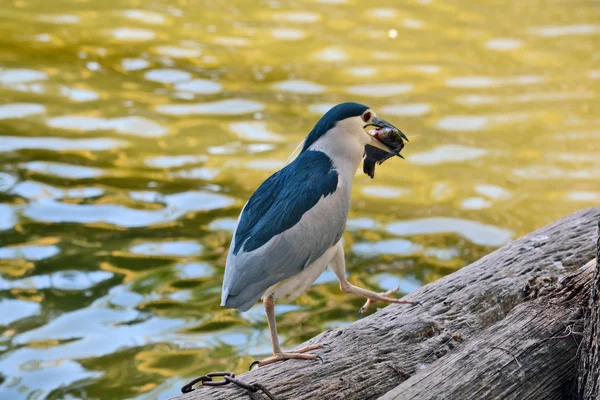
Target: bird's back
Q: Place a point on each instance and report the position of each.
(289, 222)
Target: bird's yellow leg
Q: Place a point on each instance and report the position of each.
(279, 355)
(338, 265)
(371, 296)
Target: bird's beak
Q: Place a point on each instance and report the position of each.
(381, 124)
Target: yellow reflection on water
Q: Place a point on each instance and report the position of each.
(132, 133)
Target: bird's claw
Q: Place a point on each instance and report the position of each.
(294, 354)
(361, 311)
(383, 297)
(320, 359)
(253, 364)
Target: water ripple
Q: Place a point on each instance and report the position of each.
(139, 126)
(413, 110)
(182, 248)
(167, 75)
(398, 247)
(383, 13)
(13, 143)
(63, 170)
(223, 224)
(8, 217)
(362, 71)
(31, 252)
(39, 378)
(177, 205)
(21, 110)
(7, 181)
(331, 54)
(79, 95)
(492, 191)
(146, 16)
(231, 41)
(194, 269)
(385, 191)
(478, 100)
(304, 17)
(174, 161)
(222, 107)
(487, 82)
(554, 31)
(178, 52)
(380, 89)
(584, 196)
(447, 153)
(298, 86)
(38, 191)
(405, 284)
(544, 172)
(475, 203)
(427, 69)
(62, 280)
(204, 173)
(14, 310)
(476, 232)
(59, 18)
(20, 75)
(288, 34)
(254, 130)
(503, 44)
(132, 34)
(199, 86)
(474, 123)
(134, 64)
(320, 108)
(355, 224)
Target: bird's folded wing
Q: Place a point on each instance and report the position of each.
(289, 222)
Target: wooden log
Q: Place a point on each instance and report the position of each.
(530, 354)
(374, 355)
(588, 380)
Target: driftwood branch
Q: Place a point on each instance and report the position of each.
(376, 354)
(588, 382)
(530, 354)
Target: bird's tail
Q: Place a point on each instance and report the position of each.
(224, 295)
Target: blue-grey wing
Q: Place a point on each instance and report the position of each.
(289, 222)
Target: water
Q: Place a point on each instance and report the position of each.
(132, 132)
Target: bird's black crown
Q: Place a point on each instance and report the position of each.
(331, 117)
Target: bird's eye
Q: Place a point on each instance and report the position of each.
(366, 116)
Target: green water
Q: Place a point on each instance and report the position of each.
(132, 132)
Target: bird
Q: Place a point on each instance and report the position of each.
(290, 230)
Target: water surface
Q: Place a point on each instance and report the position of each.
(132, 133)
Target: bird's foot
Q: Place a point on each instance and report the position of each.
(383, 296)
(296, 354)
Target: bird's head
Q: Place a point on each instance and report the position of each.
(342, 131)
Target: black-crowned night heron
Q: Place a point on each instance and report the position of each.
(291, 228)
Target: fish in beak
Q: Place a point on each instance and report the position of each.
(386, 141)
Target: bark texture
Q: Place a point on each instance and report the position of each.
(374, 355)
(530, 354)
(588, 381)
